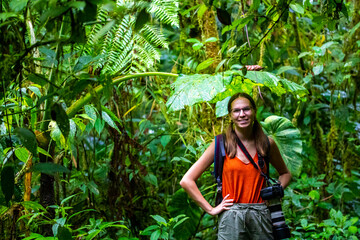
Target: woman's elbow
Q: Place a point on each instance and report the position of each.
(185, 183)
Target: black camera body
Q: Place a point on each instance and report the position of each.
(273, 194)
(274, 191)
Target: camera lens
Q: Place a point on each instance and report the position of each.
(280, 229)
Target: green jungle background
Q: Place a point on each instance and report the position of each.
(105, 104)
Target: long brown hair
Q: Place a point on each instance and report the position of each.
(261, 141)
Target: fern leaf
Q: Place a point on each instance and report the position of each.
(166, 11)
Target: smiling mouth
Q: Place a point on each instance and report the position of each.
(243, 121)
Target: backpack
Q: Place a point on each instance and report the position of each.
(219, 157)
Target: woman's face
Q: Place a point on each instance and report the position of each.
(242, 113)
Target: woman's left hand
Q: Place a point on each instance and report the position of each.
(224, 205)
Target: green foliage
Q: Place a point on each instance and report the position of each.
(129, 44)
(163, 229)
(116, 153)
(62, 224)
(197, 88)
(27, 138)
(49, 168)
(181, 205)
(288, 140)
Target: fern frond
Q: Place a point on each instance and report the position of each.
(145, 52)
(124, 51)
(154, 36)
(166, 11)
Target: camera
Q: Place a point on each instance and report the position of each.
(274, 191)
(273, 194)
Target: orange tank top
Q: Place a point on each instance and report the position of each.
(242, 181)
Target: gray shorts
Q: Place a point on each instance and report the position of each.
(250, 221)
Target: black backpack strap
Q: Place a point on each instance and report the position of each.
(222, 155)
(219, 157)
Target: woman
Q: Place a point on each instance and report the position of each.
(243, 214)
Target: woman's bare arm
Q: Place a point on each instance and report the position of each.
(278, 162)
(188, 182)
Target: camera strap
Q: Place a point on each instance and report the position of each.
(244, 150)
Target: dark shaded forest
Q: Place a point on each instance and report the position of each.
(105, 104)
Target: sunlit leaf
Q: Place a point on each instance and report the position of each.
(353, 229)
(192, 89)
(165, 140)
(192, 40)
(212, 39)
(109, 120)
(318, 69)
(284, 69)
(4, 16)
(22, 154)
(99, 125)
(155, 235)
(221, 107)
(178, 159)
(202, 9)
(297, 8)
(294, 88)
(91, 112)
(35, 90)
(31, 205)
(18, 5)
(204, 64)
(197, 46)
(159, 219)
(314, 194)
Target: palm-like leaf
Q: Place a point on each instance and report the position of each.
(288, 139)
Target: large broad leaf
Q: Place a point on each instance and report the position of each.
(276, 84)
(192, 89)
(182, 204)
(288, 140)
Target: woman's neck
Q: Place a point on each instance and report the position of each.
(244, 134)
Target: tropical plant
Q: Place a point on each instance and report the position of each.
(82, 116)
